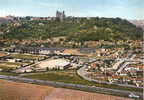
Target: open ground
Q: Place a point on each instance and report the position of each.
(23, 91)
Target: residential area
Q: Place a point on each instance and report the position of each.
(108, 65)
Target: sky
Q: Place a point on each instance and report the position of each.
(127, 9)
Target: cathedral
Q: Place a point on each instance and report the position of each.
(60, 15)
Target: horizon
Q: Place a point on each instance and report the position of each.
(124, 9)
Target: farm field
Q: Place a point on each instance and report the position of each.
(23, 91)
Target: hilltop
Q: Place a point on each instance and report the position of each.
(74, 29)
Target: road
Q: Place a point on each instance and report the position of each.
(72, 86)
(82, 72)
(125, 64)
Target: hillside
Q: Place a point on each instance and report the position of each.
(76, 29)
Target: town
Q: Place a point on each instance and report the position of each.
(121, 65)
(108, 63)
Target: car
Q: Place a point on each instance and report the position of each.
(132, 95)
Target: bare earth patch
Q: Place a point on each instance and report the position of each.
(72, 51)
(23, 91)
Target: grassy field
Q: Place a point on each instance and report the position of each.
(4, 65)
(70, 76)
(8, 73)
(26, 56)
(12, 63)
(23, 91)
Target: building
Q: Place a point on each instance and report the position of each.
(60, 15)
(38, 50)
(50, 50)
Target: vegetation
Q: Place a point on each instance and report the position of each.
(70, 76)
(9, 66)
(8, 73)
(76, 29)
(26, 56)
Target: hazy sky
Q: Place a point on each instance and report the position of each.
(130, 9)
